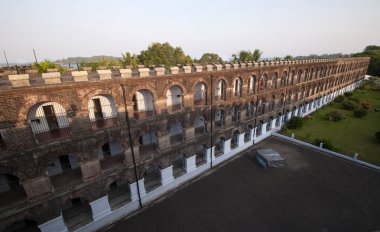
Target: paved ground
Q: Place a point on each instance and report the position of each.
(314, 192)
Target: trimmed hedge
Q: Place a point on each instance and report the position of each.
(349, 105)
(295, 122)
(335, 116)
(339, 99)
(360, 112)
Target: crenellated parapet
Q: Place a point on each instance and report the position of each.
(52, 77)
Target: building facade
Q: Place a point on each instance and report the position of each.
(80, 150)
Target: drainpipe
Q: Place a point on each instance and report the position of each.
(211, 138)
(131, 144)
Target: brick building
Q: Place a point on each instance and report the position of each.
(82, 149)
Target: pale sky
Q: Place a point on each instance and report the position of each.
(62, 28)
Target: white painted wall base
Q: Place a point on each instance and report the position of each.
(227, 146)
(167, 175)
(55, 225)
(190, 164)
(241, 139)
(100, 208)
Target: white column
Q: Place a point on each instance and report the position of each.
(273, 124)
(296, 112)
(289, 116)
(227, 146)
(190, 164)
(100, 208)
(264, 128)
(57, 225)
(167, 175)
(141, 185)
(208, 153)
(282, 120)
(240, 141)
(133, 191)
(252, 133)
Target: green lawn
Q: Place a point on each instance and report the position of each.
(350, 135)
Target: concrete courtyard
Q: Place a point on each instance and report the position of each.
(314, 192)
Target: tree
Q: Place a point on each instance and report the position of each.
(247, 55)
(164, 54)
(256, 55)
(210, 58)
(128, 60)
(373, 52)
(276, 58)
(288, 57)
(43, 66)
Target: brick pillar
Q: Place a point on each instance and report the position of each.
(38, 188)
(91, 170)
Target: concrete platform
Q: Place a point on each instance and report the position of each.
(314, 192)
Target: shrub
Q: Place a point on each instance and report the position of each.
(348, 94)
(335, 116)
(377, 135)
(339, 99)
(354, 99)
(295, 122)
(327, 144)
(349, 105)
(366, 105)
(360, 112)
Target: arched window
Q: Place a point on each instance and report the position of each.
(119, 193)
(234, 139)
(274, 80)
(261, 109)
(200, 152)
(12, 194)
(252, 84)
(311, 74)
(199, 125)
(296, 95)
(174, 98)
(265, 81)
(102, 111)
(111, 155)
(176, 133)
(292, 74)
(220, 117)
(200, 95)
(152, 177)
(289, 97)
(238, 87)
(250, 109)
(49, 122)
(272, 102)
(64, 172)
(178, 162)
(306, 75)
(221, 90)
(235, 113)
(147, 142)
(299, 76)
(283, 79)
(74, 209)
(143, 104)
(281, 100)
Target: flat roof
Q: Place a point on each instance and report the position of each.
(314, 192)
